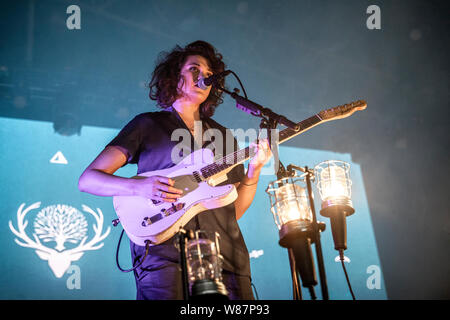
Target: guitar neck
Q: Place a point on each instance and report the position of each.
(227, 162)
(237, 157)
(305, 125)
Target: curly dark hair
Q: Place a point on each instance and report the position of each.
(166, 75)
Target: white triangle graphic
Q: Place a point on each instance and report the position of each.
(59, 158)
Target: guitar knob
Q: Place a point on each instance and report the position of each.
(153, 202)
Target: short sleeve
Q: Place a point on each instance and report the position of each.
(129, 138)
(236, 174)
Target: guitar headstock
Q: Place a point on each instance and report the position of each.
(343, 111)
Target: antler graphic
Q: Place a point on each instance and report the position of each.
(20, 232)
(58, 261)
(97, 229)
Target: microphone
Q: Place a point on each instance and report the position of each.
(204, 83)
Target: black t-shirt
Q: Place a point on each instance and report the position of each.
(147, 140)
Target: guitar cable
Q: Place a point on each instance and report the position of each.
(341, 257)
(254, 290)
(147, 246)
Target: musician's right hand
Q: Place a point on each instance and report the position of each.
(157, 188)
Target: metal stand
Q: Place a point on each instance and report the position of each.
(270, 121)
(269, 125)
(317, 227)
(296, 285)
(257, 110)
(182, 236)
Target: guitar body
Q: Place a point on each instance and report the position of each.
(144, 219)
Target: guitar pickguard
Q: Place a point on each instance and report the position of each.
(187, 183)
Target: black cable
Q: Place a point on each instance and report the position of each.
(256, 292)
(240, 83)
(147, 245)
(341, 256)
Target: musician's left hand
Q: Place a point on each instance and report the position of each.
(262, 156)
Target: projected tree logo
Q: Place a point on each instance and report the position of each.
(60, 224)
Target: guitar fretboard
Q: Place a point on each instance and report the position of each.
(306, 124)
(242, 155)
(226, 162)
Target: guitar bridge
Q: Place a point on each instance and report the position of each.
(164, 213)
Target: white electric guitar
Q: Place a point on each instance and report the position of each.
(197, 175)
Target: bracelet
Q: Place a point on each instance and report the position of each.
(251, 184)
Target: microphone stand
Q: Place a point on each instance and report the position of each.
(270, 121)
(270, 125)
(257, 110)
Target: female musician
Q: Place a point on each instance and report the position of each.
(147, 141)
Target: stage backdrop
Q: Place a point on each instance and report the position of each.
(59, 243)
